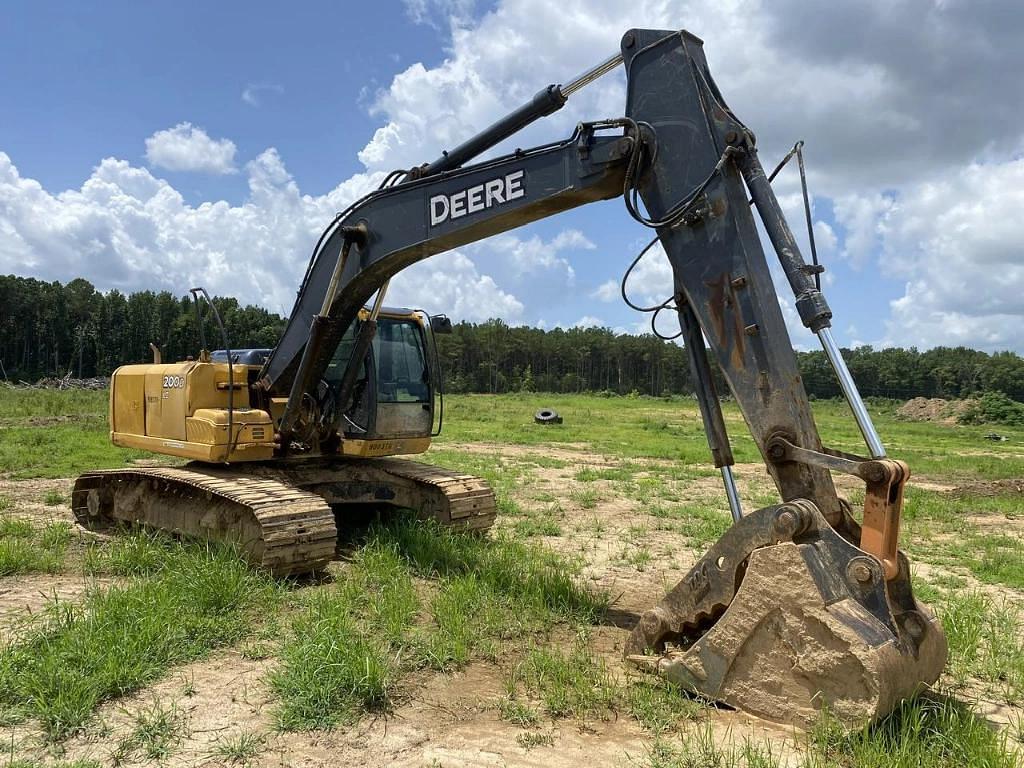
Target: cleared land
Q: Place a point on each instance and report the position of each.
(422, 649)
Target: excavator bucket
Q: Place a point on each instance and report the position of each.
(784, 618)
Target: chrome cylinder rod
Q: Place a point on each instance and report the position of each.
(378, 302)
(586, 78)
(860, 411)
(732, 493)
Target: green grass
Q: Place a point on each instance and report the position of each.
(928, 732)
(32, 445)
(985, 642)
(670, 429)
(140, 553)
(52, 433)
(349, 648)
(659, 705)
(540, 582)
(240, 749)
(124, 637)
(530, 739)
(536, 525)
(517, 712)
(622, 473)
(24, 548)
(700, 747)
(575, 685)
(579, 685)
(332, 670)
(701, 524)
(80, 404)
(938, 530)
(53, 498)
(156, 732)
(342, 656)
(412, 598)
(585, 498)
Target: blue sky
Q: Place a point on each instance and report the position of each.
(160, 146)
(94, 81)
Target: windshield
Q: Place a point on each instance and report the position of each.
(401, 363)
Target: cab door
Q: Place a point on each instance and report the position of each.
(404, 397)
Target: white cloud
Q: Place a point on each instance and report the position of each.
(855, 81)
(607, 291)
(127, 229)
(451, 283)
(435, 13)
(860, 216)
(186, 147)
(534, 254)
(651, 282)
(494, 65)
(866, 103)
(959, 243)
(253, 93)
(589, 321)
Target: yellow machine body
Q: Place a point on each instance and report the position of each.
(181, 409)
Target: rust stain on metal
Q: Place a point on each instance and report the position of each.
(722, 308)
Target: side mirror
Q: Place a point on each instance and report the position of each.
(440, 324)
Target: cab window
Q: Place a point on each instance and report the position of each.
(402, 375)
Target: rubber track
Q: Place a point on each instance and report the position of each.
(297, 528)
(470, 498)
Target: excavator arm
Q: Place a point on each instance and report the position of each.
(798, 606)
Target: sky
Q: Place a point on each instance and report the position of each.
(162, 146)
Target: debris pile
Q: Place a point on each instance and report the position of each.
(67, 382)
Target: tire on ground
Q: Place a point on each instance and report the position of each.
(547, 416)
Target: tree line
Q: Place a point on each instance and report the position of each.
(47, 328)
(495, 357)
(52, 329)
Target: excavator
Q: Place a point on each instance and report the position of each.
(797, 609)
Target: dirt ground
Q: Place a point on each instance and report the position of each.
(442, 719)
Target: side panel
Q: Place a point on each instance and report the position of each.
(128, 400)
(378, 447)
(166, 400)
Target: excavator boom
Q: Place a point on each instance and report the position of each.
(799, 606)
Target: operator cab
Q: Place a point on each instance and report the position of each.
(393, 410)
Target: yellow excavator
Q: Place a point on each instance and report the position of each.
(797, 608)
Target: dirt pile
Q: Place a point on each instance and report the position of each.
(933, 409)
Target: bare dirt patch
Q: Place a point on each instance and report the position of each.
(24, 598)
(28, 499)
(991, 488)
(571, 452)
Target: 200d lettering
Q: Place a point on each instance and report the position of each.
(478, 198)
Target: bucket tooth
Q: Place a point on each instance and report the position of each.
(785, 626)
